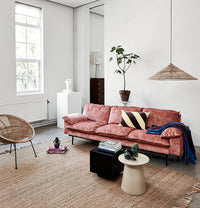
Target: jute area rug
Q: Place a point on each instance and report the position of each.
(64, 181)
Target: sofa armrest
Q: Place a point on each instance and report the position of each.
(74, 118)
(66, 125)
(176, 145)
(171, 132)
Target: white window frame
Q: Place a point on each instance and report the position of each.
(39, 61)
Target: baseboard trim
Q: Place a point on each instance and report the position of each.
(36, 124)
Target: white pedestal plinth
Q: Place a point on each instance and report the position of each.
(67, 103)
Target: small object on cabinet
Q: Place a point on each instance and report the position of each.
(109, 146)
(128, 154)
(135, 149)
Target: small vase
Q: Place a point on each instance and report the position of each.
(56, 142)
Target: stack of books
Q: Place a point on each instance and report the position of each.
(109, 146)
(61, 150)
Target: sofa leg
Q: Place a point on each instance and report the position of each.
(166, 159)
(178, 158)
(187, 161)
(72, 140)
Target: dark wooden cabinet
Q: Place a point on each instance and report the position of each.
(97, 90)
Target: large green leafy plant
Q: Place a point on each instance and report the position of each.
(124, 61)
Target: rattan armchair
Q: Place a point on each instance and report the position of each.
(15, 130)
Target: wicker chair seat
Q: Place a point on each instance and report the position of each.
(15, 130)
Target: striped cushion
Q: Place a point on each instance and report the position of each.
(135, 120)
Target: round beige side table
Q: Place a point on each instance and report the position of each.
(133, 181)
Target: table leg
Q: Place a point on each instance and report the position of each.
(133, 181)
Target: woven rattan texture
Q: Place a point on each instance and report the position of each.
(64, 181)
(15, 130)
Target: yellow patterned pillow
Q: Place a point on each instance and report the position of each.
(135, 120)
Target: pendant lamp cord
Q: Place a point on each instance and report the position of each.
(170, 31)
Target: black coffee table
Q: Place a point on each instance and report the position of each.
(105, 164)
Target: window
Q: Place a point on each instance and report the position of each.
(28, 37)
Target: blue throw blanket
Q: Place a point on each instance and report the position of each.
(189, 150)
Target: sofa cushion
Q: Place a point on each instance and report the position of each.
(114, 130)
(171, 133)
(159, 117)
(75, 118)
(152, 139)
(116, 112)
(136, 120)
(98, 113)
(85, 126)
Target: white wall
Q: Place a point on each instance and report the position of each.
(81, 52)
(96, 41)
(58, 52)
(88, 36)
(143, 28)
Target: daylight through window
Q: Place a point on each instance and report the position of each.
(28, 32)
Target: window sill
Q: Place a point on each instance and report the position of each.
(29, 93)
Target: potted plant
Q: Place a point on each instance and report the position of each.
(124, 61)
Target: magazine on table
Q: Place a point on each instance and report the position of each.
(110, 144)
(109, 150)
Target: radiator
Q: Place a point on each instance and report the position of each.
(35, 110)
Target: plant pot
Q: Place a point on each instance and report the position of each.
(124, 94)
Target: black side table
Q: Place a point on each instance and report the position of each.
(105, 164)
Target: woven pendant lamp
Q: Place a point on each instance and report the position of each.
(171, 72)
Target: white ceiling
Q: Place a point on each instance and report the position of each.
(75, 3)
(72, 3)
(95, 5)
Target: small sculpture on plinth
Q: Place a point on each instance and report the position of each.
(68, 84)
(56, 142)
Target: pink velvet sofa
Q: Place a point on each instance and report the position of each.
(100, 122)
